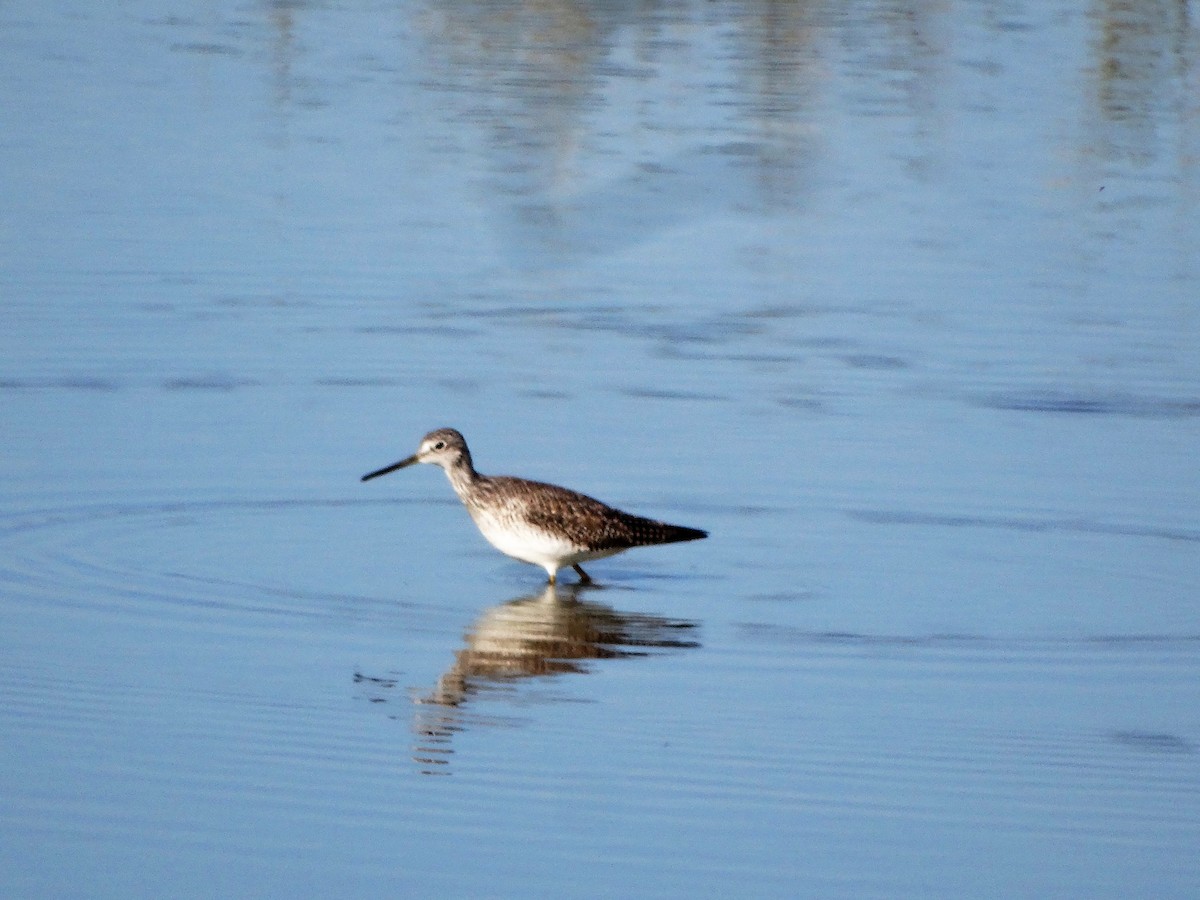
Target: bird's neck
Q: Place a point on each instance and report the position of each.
(463, 476)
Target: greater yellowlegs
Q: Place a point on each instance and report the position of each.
(538, 523)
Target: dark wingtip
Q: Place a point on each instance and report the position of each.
(683, 533)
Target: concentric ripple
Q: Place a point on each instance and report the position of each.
(172, 560)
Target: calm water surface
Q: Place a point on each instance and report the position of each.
(898, 298)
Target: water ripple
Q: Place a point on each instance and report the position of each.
(1015, 523)
(161, 559)
(1051, 400)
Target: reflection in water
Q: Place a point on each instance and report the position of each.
(1141, 57)
(606, 124)
(1142, 124)
(559, 88)
(550, 633)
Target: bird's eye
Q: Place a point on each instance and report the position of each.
(440, 445)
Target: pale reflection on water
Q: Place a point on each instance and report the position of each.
(551, 633)
(554, 632)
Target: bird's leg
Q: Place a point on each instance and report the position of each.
(584, 578)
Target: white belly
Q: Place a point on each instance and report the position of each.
(513, 537)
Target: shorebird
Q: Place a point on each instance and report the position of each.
(543, 524)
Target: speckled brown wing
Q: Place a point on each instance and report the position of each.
(587, 522)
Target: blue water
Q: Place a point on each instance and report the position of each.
(897, 298)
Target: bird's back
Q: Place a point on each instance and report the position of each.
(582, 520)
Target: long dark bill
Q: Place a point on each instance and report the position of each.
(392, 468)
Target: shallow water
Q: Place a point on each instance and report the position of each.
(897, 299)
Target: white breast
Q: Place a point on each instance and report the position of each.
(513, 536)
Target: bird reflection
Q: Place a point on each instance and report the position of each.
(550, 633)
